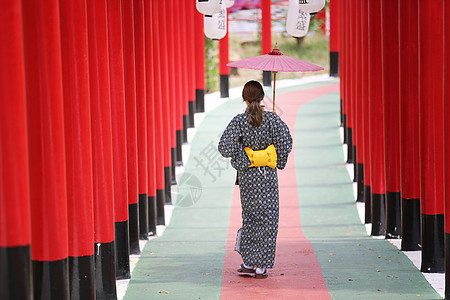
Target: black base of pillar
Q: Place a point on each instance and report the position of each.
(122, 243)
(143, 217)
(160, 201)
(355, 167)
(191, 114)
(179, 149)
(173, 152)
(185, 127)
(349, 146)
(432, 244)
(447, 265)
(378, 214)
(334, 64)
(167, 185)
(51, 279)
(133, 217)
(199, 101)
(342, 113)
(393, 215)
(345, 129)
(411, 240)
(152, 215)
(267, 78)
(82, 277)
(105, 271)
(224, 86)
(360, 180)
(15, 273)
(367, 205)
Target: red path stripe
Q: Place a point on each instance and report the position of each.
(297, 273)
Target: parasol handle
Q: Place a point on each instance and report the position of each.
(274, 81)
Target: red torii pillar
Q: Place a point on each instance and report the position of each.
(409, 124)
(131, 124)
(200, 80)
(191, 59)
(447, 146)
(334, 37)
(183, 67)
(366, 111)
(391, 94)
(343, 70)
(158, 113)
(15, 227)
(431, 134)
(359, 147)
(169, 162)
(77, 126)
(141, 106)
(117, 93)
(178, 84)
(377, 176)
(172, 93)
(350, 81)
(224, 70)
(105, 274)
(266, 36)
(45, 121)
(150, 104)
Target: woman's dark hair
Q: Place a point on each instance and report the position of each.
(253, 92)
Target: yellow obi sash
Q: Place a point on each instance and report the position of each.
(266, 157)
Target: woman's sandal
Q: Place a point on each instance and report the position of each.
(261, 276)
(243, 269)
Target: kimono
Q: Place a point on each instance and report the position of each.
(256, 240)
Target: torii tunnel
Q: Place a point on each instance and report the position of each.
(96, 98)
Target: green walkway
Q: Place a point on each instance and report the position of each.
(187, 261)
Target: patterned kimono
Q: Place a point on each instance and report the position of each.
(256, 241)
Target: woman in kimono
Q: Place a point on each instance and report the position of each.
(251, 131)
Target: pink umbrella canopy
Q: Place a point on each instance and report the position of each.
(275, 61)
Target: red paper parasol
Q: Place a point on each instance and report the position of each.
(275, 61)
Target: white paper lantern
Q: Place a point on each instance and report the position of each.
(208, 7)
(311, 6)
(229, 3)
(297, 23)
(216, 25)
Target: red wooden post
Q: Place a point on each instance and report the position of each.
(117, 92)
(334, 37)
(15, 229)
(224, 70)
(377, 176)
(343, 65)
(350, 82)
(176, 54)
(105, 273)
(166, 99)
(141, 106)
(77, 127)
(131, 124)
(366, 111)
(158, 113)
(391, 94)
(409, 124)
(172, 99)
(266, 36)
(447, 147)
(150, 74)
(431, 134)
(200, 77)
(190, 11)
(359, 162)
(182, 30)
(49, 250)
